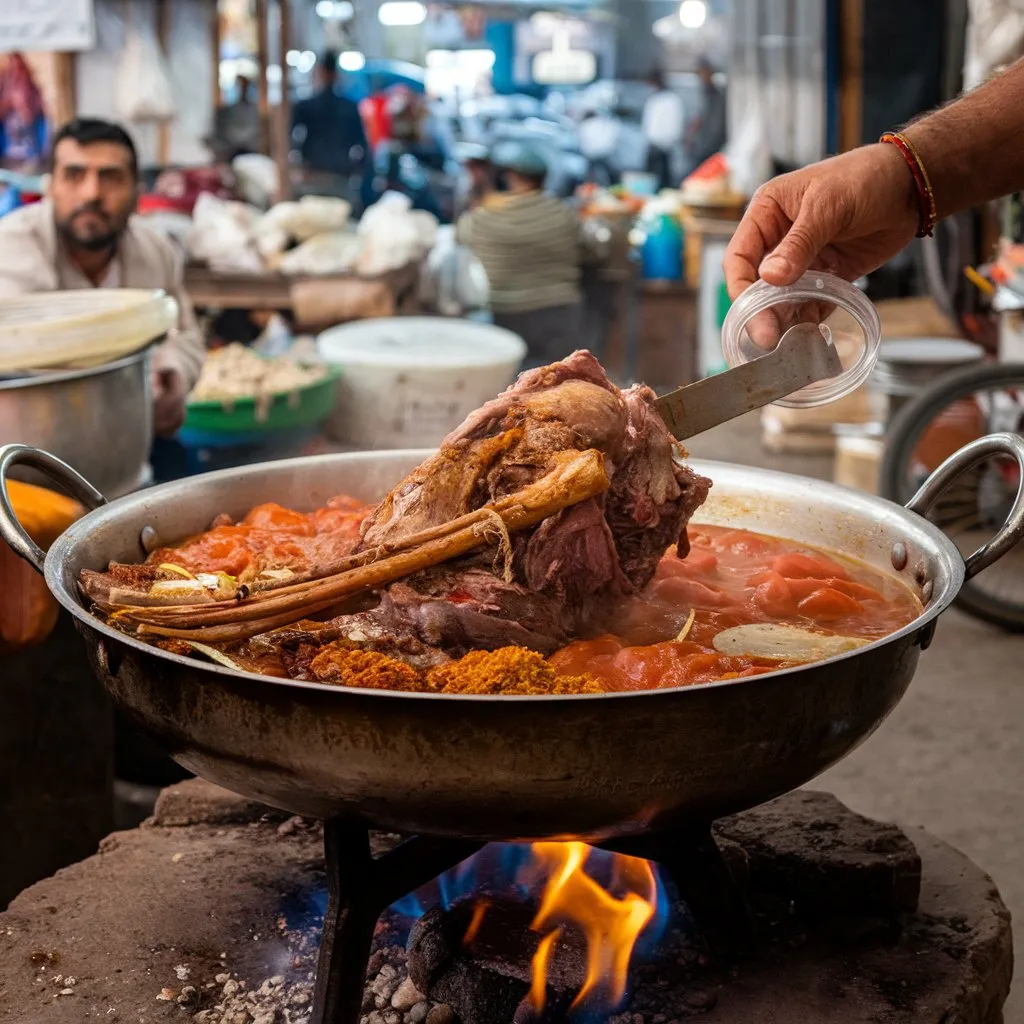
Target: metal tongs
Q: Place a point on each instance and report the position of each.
(805, 355)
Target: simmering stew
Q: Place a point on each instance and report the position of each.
(677, 631)
(738, 604)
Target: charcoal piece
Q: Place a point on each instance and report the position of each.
(488, 979)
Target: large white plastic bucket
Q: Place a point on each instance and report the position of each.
(407, 381)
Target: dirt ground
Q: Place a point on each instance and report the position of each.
(951, 756)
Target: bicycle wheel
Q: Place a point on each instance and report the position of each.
(955, 409)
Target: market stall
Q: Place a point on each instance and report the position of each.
(276, 292)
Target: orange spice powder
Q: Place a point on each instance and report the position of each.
(508, 670)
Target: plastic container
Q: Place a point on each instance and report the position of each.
(858, 457)
(303, 407)
(712, 307)
(406, 382)
(845, 313)
(639, 183)
(662, 252)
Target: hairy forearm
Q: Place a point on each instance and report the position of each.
(972, 148)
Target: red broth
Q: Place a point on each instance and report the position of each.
(731, 578)
(271, 537)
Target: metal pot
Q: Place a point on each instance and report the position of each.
(592, 766)
(99, 420)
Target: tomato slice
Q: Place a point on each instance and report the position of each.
(794, 565)
(774, 596)
(828, 604)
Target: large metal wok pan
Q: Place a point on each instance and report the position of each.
(512, 767)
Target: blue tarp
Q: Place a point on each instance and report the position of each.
(381, 74)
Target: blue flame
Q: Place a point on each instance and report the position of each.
(498, 867)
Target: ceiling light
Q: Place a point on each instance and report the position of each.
(401, 13)
(665, 27)
(693, 13)
(351, 60)
(325, 9)
(293, 57)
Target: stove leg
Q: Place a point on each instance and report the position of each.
(359, 887)
(348, 925)
(705, 882)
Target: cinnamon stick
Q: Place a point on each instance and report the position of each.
(573, 478)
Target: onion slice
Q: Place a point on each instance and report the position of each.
(783, 643)
(214, 655)
(685, 631)
(176, 569)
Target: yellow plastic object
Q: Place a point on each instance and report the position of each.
(80, 329)
(28, 612)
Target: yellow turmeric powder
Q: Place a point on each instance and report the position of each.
(508, 670)
(348, 667)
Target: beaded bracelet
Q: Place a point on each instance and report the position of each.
(927, 212)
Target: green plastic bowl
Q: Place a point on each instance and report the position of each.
(290, 410)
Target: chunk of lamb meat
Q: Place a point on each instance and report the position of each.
(457, 611)
(570, 570)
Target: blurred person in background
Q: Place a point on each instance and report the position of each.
(706, 131)
(529, 245)
(663, 122)
(84, 235)
(236, 126)
(598, 135)
(327, 128)
(477, 178)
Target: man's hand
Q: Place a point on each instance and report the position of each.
(168, 402)
(846, 215)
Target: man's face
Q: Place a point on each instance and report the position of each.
(93, 191)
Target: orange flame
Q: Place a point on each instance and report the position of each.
(538, 987)
(479, 909)
(611, 925)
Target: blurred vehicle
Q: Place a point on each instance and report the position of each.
(377, 76)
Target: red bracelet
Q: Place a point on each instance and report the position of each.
(927, 213)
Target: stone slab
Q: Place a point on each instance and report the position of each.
(824, 858)
(194, 922)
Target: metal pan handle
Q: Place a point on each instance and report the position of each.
(953, 468)
(60, 473)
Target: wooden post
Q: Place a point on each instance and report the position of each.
(283, 113)
(65, 93)
(262, 60)
(163, 35)
(851, 75)
(215, 41)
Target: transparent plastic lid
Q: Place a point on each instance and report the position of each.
(763, 313)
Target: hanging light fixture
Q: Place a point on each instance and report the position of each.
(401, 13)
(693, 13)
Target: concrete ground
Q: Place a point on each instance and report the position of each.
(951, 756)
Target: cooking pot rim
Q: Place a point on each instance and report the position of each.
(938, 546)
(64, 376)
